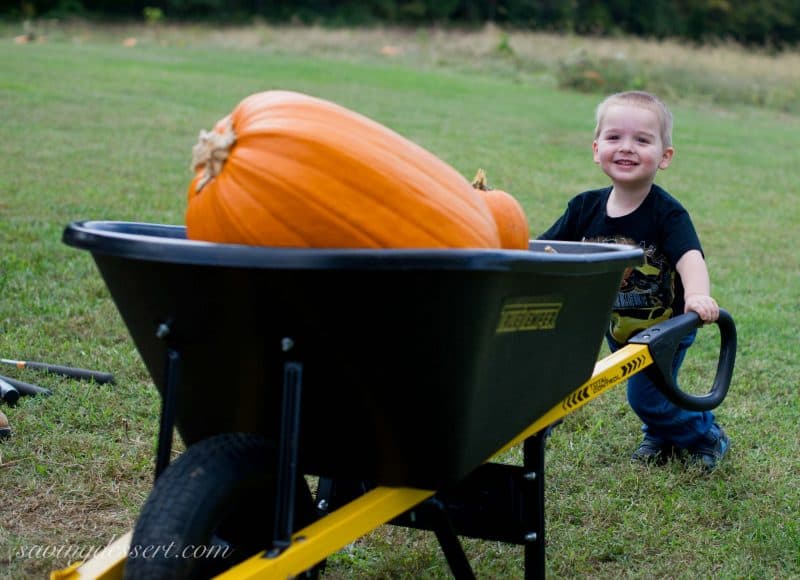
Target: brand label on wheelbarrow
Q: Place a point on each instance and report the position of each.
(529, 313)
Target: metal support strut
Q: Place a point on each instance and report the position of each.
(449, 542)
(289, 447)
(168, 401)
(532, 512)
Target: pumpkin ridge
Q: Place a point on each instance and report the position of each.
(371, 133)
(252, 233)
(298, 109)
(212, 221)
(285, 186)
(454, 206)
(364, 127)
(394, 208)
(332, 210)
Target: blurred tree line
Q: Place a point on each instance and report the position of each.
(774, 23)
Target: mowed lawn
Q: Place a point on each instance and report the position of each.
(92, 129)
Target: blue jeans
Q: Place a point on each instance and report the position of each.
(663, 420)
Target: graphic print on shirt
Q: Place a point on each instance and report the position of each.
(646, 295)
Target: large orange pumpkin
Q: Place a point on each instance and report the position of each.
(287, 169)
(512, 223)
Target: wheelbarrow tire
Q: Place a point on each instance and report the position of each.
(210, 509)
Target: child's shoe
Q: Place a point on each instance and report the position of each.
(652, 451)
(711, 449)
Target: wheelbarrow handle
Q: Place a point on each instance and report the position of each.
(663, 340)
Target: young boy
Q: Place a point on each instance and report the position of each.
(632, 141)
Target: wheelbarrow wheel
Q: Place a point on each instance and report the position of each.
(210, 509)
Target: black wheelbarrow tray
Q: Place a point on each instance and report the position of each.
(393, 376)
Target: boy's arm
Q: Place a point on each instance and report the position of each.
(565, 227)
(558, 231)
(697, 286)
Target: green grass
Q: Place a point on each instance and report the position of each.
(93, 130)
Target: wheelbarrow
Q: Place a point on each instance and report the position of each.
(392, 376)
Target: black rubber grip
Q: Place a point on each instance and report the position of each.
(76, 373)
(663, 340)
(8, 393)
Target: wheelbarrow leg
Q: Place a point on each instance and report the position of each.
(448, 540)
(167, 421)
(533, 504)
(289, 444)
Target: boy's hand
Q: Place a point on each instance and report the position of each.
(705, 306)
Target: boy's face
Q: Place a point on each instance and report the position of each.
(629, 148)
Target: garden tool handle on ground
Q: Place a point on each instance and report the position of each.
(76, 373)
(663, 340)
(26, 388)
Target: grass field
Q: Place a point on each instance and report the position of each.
(92, 129)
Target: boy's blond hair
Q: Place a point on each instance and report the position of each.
(638, 99)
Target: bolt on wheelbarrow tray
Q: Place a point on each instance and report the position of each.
(418, 365)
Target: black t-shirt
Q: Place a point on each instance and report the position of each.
(661, 227)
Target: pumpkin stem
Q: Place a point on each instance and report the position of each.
(479, 181)
(212, 150)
